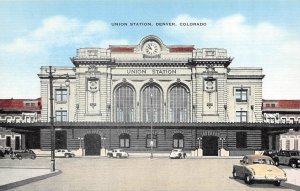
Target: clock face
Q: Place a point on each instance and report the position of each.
(151, 48)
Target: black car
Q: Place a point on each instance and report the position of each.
(29, 154)
(291, 158)
(270, 153)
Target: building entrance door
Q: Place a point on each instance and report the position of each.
(210, 145)
(92, 144)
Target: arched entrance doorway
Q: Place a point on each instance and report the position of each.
(210, 145)
(92, 144)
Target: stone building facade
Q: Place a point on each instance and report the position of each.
(189, 96)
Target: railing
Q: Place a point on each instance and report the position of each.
(93, 53)
(208, 53)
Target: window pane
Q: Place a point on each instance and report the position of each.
(124, 104)
(178, 104)
(151, 106)
(61, 116)
(241, 116)
(241, 95)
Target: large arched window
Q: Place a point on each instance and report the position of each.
(178, 140)
(124, 139)
(151, 105)
(124, 104)
(179, 104)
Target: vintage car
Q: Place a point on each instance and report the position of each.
(291, 158)
(117, 153)
(64, 153)
(24, 154)
(258, 168)
(270, 153)
(177, 154)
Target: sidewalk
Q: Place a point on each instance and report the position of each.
(11, 177)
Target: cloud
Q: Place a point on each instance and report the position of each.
(262, 44)
(48, 44)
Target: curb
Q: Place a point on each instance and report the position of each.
(29, 180)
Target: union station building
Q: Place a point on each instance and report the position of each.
(188, 97)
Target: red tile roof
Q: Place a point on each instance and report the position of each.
(122, 49)
(181, 49)
(281, 104)
(19, 104)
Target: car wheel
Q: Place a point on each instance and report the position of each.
(248, 179)
(293, 165)
(109, 156)
(20, 157)
(119, 156)
(277, 183)
(33, 157)
(276, 163)
(234, 174)
(67, 156)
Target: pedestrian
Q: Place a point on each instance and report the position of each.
(11, 152)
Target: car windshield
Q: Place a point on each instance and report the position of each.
(263, 161)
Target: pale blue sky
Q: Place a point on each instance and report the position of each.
(48, 32)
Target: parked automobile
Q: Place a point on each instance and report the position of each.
(5, 150)
(117, 153)
(2, 153)
(270, 153)
(64, 153)
(177, 154)
(258, 168)
(23, 154)
(291, 158)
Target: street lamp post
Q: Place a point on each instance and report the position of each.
(52, 128)
(222, 140)
(80, 145)
(102, 144)
(199, 142)
(52, 121)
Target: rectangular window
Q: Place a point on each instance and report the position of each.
(292, 120)
(61, 116)
(61, 95)
(124, 143)
(241, 116)
(241, 95)
(241, 139)
(296, 144)
(287, 144)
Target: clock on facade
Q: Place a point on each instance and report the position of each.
(151, 48)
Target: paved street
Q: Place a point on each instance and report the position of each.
(142, 174)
